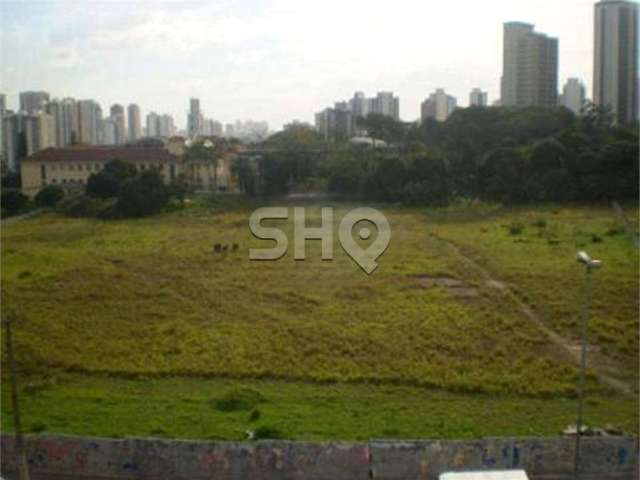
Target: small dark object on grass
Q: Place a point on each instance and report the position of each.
(595, 238)
(254, 415)
(217, 248)
(235, 247)
(267, 432)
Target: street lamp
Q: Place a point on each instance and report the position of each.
(589, 265)
(208, 144)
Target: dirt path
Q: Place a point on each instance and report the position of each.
(565, 344)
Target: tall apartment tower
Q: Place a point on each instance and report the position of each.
(33, 101)
(478, 98)
(3, 148)
(194, 120)
(117, 115)
(135, 124)
(573, 95)
(530, 67)
(439, 106)
(615, 74)
(89, 122)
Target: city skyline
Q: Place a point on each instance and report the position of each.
(268, 64)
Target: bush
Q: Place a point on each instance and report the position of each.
(13, 201)
(49, 196)
(82, 206)
(515, 228)
(267, 432)
(142, 195)
(109, 181)
(241, 399)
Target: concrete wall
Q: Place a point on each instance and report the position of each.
(57, 457)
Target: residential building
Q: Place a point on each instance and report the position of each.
(89, 122)
(3, 109)
(165, 126)
(478, 98)
(384, 103)
(33, 101)
(152, 125)
(117, 115)
(530, 67)
(359, 105)
(615, 75)
(39, 131)
(65, 120)
(135, 125)
(573, 95)
(11, 127)
(109, 132)
(217, 129)
(194, 119)
(229, 130)
(335, 123)
(439, 106)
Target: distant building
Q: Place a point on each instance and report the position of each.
(39, 131)
(615, 76)
(3, 109)
(33, 101)
(89, 122)
(165, 126)
(134, 122)
(384, 103)
(438, 106)
(478, 98)
(530, 67)
(11, 129)
(109, 132)
(117, 115)
(217, 129)
(65, 119)
(194, 118)
(153, 129)
(573, 95)
(335, 123)
(359, 105)
(229, 130)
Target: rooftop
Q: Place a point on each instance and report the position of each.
(93, 153)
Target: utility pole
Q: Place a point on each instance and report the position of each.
(590, 265)
(21, 456)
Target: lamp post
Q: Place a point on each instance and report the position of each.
(208, 144)
(589, 265)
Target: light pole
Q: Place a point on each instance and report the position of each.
(589, 265)
(208, 144)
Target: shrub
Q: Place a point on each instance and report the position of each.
(515, 228)
(540, 223)
(49, 196)
(13, 201)
(267, 432)
(85, 206)
(254, 415)
(241, 399)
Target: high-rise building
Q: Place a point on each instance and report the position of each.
(152, 124)
(65, 120)
(11, 129)
(384, 103)
(3, 108)
(165, 126)
(117, 115)
(335, 123)
(478, 98)
(217, 129)
(439, 106)
(194, 119)
(109, 131)
(33, 101)
(573, 95)
(89, 122)
(615, 75)
(39, 131)
(530, 67)
(135, 125)
(229, 130)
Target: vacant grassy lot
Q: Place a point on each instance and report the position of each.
(109, 309)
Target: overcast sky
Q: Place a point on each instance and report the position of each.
(273, 60)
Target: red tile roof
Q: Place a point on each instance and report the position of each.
(97, 154)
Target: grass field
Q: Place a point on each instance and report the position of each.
(141, 322)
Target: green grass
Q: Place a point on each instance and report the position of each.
(118, 307)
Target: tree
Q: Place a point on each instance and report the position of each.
(13, 201)
(108, 182)
(49, 196)
(145, 194)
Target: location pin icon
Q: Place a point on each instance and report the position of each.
(365, 257)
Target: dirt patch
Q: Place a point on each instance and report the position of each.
(455, 287)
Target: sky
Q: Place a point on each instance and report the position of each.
(273, 60)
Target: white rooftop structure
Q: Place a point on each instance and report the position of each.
(486, 475)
